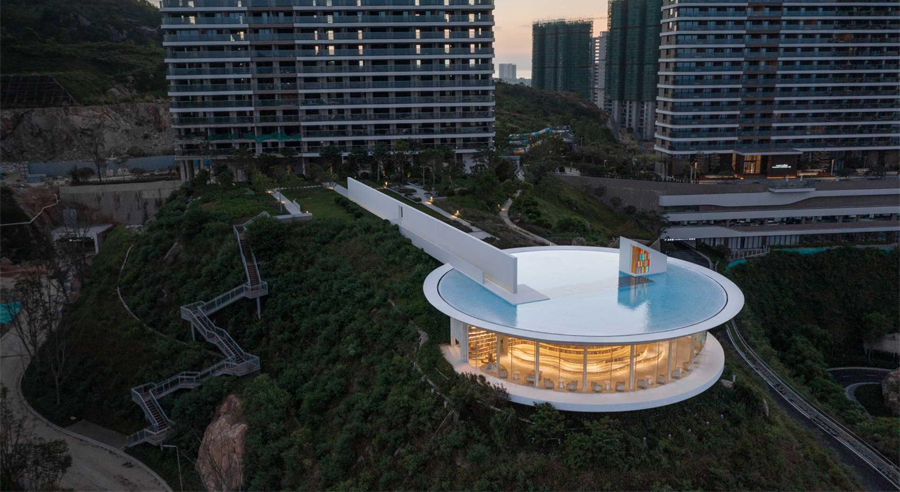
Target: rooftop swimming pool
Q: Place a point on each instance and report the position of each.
(588, 297)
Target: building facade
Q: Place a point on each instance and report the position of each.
(508, 73)
(771, 84)
(296, 76)
(632, 63)
(561, 58)
(598, 74)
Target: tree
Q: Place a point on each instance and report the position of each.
(28, 462)
(241, 161)
(381, 158)
(332, 159)
(402, 154)
(875, 326)
(91, 141)
(547, 424)
(358, 160)
(615, 201)
(432, 159)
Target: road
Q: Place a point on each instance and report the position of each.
(94, 466)
(874, 469)
(854, 377)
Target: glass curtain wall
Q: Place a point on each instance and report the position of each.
(579, 368)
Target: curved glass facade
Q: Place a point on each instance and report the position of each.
(582, 368)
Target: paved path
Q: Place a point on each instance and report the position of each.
(291, 206)
(424, 196)
(504, 214)
(94, 466)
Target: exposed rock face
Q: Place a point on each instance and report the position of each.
(221, 459)
(890, 388)
(61, 134)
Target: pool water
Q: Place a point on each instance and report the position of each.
(589, 297)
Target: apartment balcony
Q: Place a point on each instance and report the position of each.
(835, 131)
(201, 72)
(354, 53)
(180, 22)
(233, 104)
(199, 4)
(424, 84)
(384, 3)
(389, 101)
(211, 88)
(481, 67)
(327, 119)
(206, 38)
(181, 121)
(478, 19)
(243, 55)
(407, 133)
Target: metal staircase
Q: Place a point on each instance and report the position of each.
(237, 362)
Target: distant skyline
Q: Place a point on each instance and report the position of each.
(514, 18)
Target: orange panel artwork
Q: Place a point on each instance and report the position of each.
(640, 261)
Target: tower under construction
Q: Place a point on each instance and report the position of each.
(561, 57)
(632, 64)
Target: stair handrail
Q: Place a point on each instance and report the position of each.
(146, 395)
(259, 216)
(241, 250)
(138, 398)
(219, 302)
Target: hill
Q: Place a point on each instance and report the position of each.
(521, 109)
(89, 46)
(806, 313)
(342, 402)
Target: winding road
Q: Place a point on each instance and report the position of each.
(875, 469)
(95, 466)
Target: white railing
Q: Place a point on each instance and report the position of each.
(237, 361)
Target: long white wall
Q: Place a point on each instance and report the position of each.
(471, 256)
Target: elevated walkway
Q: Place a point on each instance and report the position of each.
(237, 362)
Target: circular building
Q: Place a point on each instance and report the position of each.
(606, 333)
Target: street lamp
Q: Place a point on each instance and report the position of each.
(178, 457)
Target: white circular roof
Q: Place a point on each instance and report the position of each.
(589, 301)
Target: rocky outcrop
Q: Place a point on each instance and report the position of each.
(890, 389)
(220, 462)
(67, 133)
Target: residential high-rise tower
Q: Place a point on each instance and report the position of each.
(767, 84)
(296, 76)
(508, 73)
(561, 56)
(598, 74)
(632, 63)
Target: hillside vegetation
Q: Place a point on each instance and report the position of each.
(89, 46)
(806, 313)
(521, 109)
(345, 339)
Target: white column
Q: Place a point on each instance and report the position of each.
(584, 372)
(537, 364)
(631, 374)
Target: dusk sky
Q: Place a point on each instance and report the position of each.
(514, 19)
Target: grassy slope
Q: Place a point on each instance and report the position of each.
(339, 404)
(90, 46)
(522, 109)
(804, 314)
(556, 200)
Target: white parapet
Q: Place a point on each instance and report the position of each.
(484, 263)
